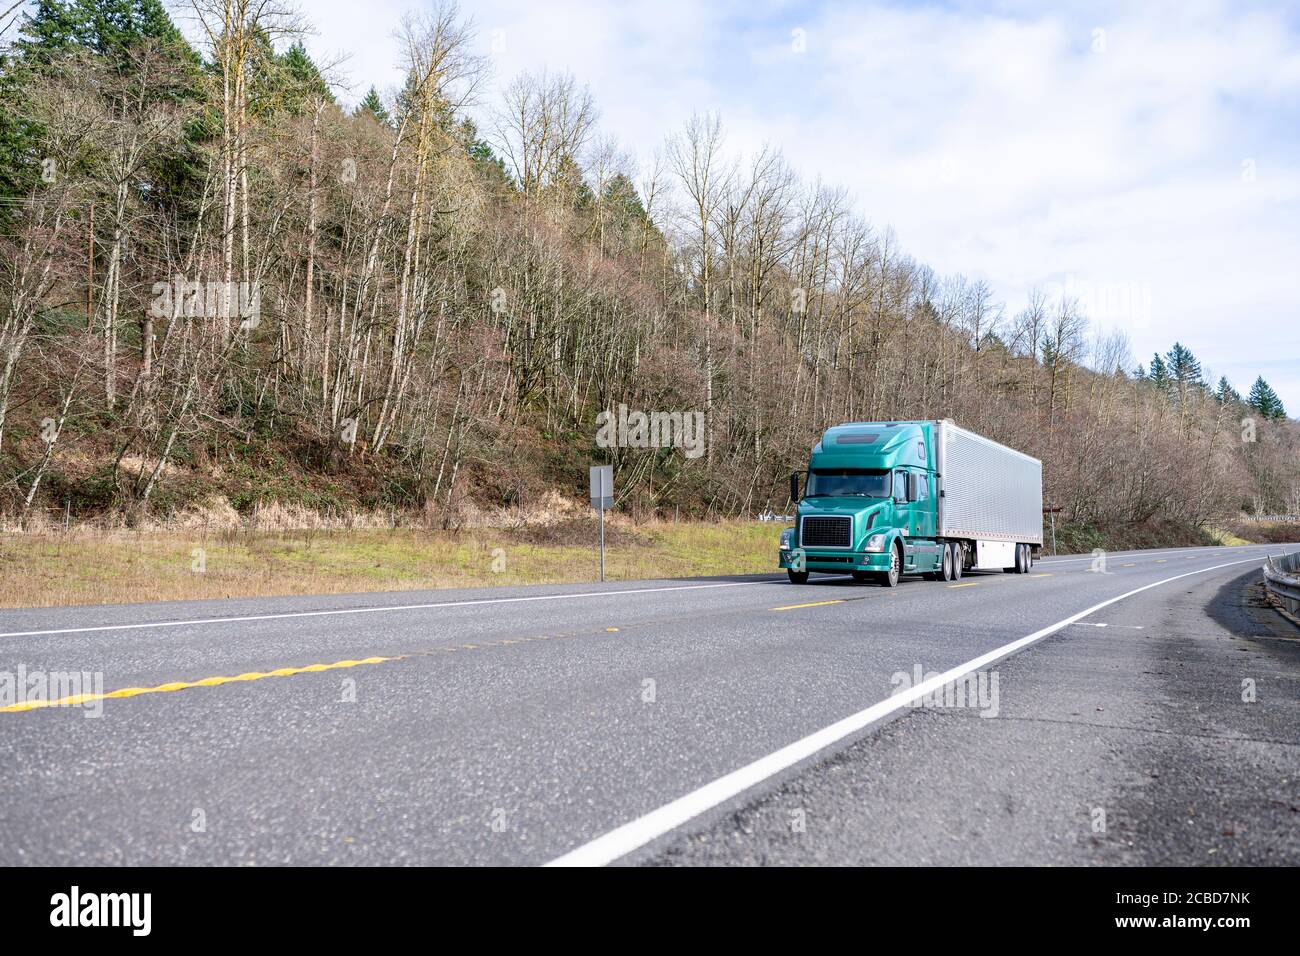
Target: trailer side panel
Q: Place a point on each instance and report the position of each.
(990, 492)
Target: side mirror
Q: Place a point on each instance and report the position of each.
(794, 487)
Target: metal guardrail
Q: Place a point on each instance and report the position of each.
(1282, 577)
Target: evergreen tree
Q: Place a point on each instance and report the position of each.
(1159, 374)
(1184, 372)
(57, 28)
(571, 185)
(407, 96)
(621, 197)
(106, 27)
(1225, 393)
(297, 81)
(373, 106)
(286, 82)
(489, 165)
(992, 342)
(1265, 401)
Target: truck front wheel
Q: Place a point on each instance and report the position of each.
(797, 577)
(891, 577)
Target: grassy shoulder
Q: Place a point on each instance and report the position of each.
(89, 567)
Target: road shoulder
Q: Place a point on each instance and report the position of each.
(1172, 735)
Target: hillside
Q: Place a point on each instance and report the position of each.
(221, 290)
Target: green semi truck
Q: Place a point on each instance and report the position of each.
(885, 499)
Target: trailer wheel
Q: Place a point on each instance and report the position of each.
(797, 577)
(1022, 559)
(891, 577)
(957, 559)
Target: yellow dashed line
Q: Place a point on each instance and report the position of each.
(79, 699)
(791, 607)
(1045, 574)
(1129, 565)
(973, 584)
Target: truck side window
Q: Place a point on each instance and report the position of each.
(925, 487)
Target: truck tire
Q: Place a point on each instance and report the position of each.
(948, 562)
(1019, 566)
(797, 577)
(956, 561)
(890, 578)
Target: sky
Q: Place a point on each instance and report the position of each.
(1140, 157)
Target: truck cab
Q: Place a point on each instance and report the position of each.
(872, 505)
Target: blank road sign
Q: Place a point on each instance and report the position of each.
(602, 486)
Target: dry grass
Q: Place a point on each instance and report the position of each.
(98, 566)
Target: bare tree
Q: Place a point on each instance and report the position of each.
(695, 155)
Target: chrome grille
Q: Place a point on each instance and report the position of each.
(820, 531)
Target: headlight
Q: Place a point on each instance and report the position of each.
(876, 542)
(787, 539)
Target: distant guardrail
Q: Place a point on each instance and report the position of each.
(1282, 578)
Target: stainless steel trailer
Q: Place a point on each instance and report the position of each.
(989, 495)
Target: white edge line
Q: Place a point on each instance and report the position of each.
(631, 836)
(376, 610)
(1116, 555)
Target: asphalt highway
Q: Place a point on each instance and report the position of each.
(704, 721)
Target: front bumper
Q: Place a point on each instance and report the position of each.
(832, 561)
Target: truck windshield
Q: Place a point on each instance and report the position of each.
(831, 482)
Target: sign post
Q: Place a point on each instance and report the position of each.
(602, 497)
(1053, 512)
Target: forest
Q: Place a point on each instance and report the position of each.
(219, 282)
